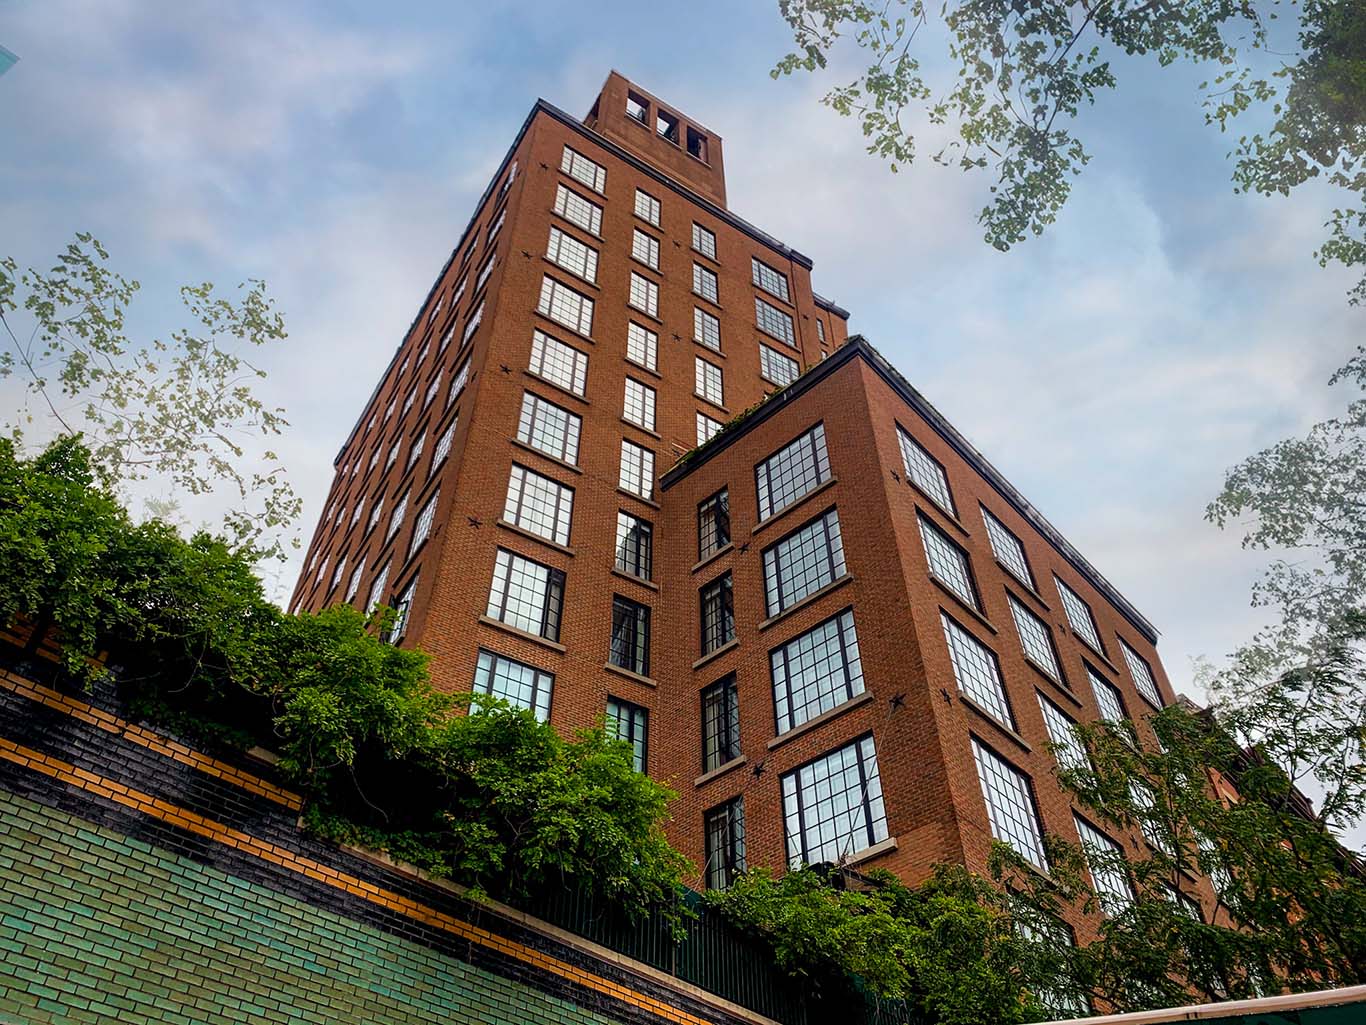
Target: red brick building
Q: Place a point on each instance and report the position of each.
(833, 627)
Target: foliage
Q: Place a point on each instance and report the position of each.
(1020, 74)
(180, 411)
(493, 799)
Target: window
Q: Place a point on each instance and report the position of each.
(1142, 674)
(820, 330)
(706, 329)
(629, 722)
(432, 389)
(645, 248)
(408, 401)
(1079, 615)
(571, 254)
(635, 546)
(816, 671)
(642, 346)
(644, 295)
(415, 452)
(374, 514)
(356, 512)
(803, 562)
(458, 384)
(718, 613)
(704, 282)
(374, 458)
(948, 563)
(697, 144)
(378, 592)
(924, 471)
(773, 321)
(577, 210)
(560, 364)
(1057, 1002)
(724, 827)
(581, 169)
(337, 573)
(565, 306)
(479, 282)
(515, 682)
(639, 404)
(390, 459)
(771, 281)
(832, 806)
(977, 672)
(713, 524)
(402, 608)
(1154, 830)
(424, 523)
(549, 428)
(538, 504)
(526, 595)
(666, 125)
(707, 382)
(496, 227)
(396, 518)
(707, 428)
(389, 409)
(1062, 731)
(720, 724)
(1005, 546)
(1108, 699)
(637, 109)
(1035, 639)
(1109, 872)
(630, 648)
(637, 470)
(647, 208)
(775, 368)
(443, 446)
(1010, 804)
(507, 182)
(704, 240)
(792, 471)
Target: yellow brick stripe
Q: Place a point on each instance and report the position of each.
(164, 811)
(88, 713)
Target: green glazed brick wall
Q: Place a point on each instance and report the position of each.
(99, 927)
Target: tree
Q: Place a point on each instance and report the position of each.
(1021, 72)
(180, 411)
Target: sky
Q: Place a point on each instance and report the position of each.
(1161, 331)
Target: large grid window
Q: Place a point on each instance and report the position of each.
(1062, 731)
(948, 563)
(375, 511)
(771, 281)
(443, 446)
(638, 406)
(704, 283)
(1109, 871)
(515, 682)
(1142, 674)
(402, 607)
(704, 240)
(1108, 699)
(792, 471)
(637, 470)
(378, 591)
(571, 254)
(1010, 804)
(1007, 549)
(977, 672)
(707, 428)
(396, 517)
(924, 470)
(560, 364)
(707, 381)
(538, 504)
(526, 595)
(642, 346)
(565, 306)
(414, 452)
(773, 321)
(647, 208)
(635, 546)
(832, 806)
(630, 648)
(713, 524)
(353, 585)
(724, 827)
(423, 528)
(644, 295)
(549, 428)
(1058, 1002)
(706, 329)
(720, 724)
(775, 368)
(1079, 615)
(816, 671)
(485, 272)
(630, 723)
(583, 170)
(577, 210)
(1035, 639)
(803, 562)
(645, 248)
(717, 601)
(458, 382)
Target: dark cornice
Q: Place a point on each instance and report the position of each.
(858, 347)
(834, 308)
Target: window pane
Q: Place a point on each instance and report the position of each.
(704, 241)
(1109, 873)
(628, 722)
(706, 329)
(833, 806)
(630, 647)
(713, 524)
(1062, 731)
(725, 843)
(549, 428)
(792, 471)
(720, 724)
(647, 208)
(976, 671)
(526, 595)
(773, 321)
(644, 295)
(642, 345)
(707, 381)
(803, 562)
(1142, 674)
(558, 363)
(704, 282)
(538, 504)
(565, 306)
(771, 281)
(1078, 615)
(948, 563)
(635, 542)
(718, 614)
(777, 368)
(423, 528)
(637, 470)
(645, 248)
(925, 471)
(580, 168)
(1108, 698)
(1007, 549)
(571, 254)
(639, 404)
(1035, 639)
(707, 428)
(515, 682)
(816, 671)
(1010, 805)
(577, 210)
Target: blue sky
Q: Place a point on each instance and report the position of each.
(1161, 331)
